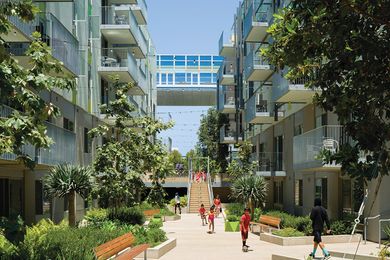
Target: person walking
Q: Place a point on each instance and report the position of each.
(211, 217)
(318, 216)
(202, 213)
(244, 228)
(217, 204)
(177, 203)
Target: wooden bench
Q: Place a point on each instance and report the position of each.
(267, 222)
(120, 248)
(151, 212)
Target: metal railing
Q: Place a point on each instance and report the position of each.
(25, 28)
(63, 149)
(253, 59)
(270, 161)
(308, 145)
(254, 105)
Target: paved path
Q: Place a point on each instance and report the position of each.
(193, 243)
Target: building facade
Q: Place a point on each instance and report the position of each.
(95, 40)
(287, 131)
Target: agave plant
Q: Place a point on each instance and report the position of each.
(67, 180)
(250, 190)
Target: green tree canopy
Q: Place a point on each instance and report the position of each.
(21, 87)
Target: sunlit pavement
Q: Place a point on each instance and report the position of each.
(193, 242)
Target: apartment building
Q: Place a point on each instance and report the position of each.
(95, 40)
(287, 131)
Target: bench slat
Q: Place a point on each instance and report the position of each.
(114, 246)
(133, 252)
(151, 212)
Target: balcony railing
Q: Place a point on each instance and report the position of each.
(226, 97)
(226, 41)
(270, 161)
(63, 150)
(282, 86)
(254, 60)
(119, 58)
(122, 15)
(64, 45)
(308, 145)
(260, 11)
(254, 106)
(227, 133)
(25, 28)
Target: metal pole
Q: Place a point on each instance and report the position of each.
(365, 230)
(379, 233)
(208, 166)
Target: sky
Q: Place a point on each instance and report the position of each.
(187, 27)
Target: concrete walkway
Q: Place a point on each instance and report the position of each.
(193, 243)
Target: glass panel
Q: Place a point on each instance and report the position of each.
(180, 63)
(188, 79)
(180, 58)
(205, 63)
(166, 63)
(195, 78)
(180, 78)
(203, 58)
(163, 79)
(205, 78)
(166, 57)
(170, 78)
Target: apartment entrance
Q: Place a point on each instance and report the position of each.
(11, 197)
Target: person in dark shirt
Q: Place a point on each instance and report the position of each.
(318, 216)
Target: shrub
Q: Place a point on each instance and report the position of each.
(166, 212)
(235, 209)
(157, 216)
(145, 206)
(155, 223)
(288, 232)
(7, 249)
(132, 216)
(340, 227)
(302, 224)
(256, 214)
(13, 228)
(156, 236)
(232, 218)
(96, 216)
(183, 201)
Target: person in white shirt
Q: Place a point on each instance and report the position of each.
(177, 203)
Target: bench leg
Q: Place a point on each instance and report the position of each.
(145, 255)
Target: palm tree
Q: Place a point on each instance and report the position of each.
(68, 180)
(250, 190)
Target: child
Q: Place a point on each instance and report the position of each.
(202, 212)
(244, 228)
(211, 220)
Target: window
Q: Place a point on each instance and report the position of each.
(195, 79)
(298, 129)
(188, 78)
(278, 192)
(347, 195)
(4, 198)
(167, 61)
(205, 78)
(38, 197)
(163, 79)
(321, 120)
(321, 191)
(278, 149)
(299, 193)
(158, 78)
(86, 141)
(180, 78)
(170, 78)
(68, 125)
(180, 61)
(214, 78)
(192, 61)
(205, 61)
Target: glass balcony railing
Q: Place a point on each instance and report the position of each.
(282, 86)
(64, 45)
(122, 15)
(116, 58)
(254, 106)
(226, 98)
(308, 145)
(255, 61)
(26, 28)
(226, 44)
(259, 11)
(269, 162)
(63, 150)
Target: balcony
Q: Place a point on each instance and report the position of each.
(290, 91)
(226, 96)
(270, 165)
(256, 67)
(140, 11)
(64, 45)
(307, 146)
(226, 73)
(257, 20)
(257, 111)
(63, 150)
(228, 136)
(227, 45)
(119, 26)
(19, 31)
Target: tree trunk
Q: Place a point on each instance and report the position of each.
(72, 209)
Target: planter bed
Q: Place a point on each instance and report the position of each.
(357, 257)
(160, 250)
(306, 240)
(233, 226)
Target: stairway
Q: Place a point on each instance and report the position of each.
(199, 193)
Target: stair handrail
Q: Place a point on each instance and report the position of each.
(209, 186)
(189, 189)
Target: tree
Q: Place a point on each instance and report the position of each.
(250, 190)
(208, 135)
(242, 165)
(68, 180)
(21, 87)
(124, 159)
(176, 159)
(342, 46)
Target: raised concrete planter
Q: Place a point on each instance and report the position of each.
(352, 256)
(232, 226)
(306, 240)
(160, 250)
(172, 218)
(282, 257)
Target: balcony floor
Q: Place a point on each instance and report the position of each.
(228, 109)
(260, 73)
(124, 75)
(118, 34)
(228, 50)
(297, 93)
(227, 80)
(139, 15)
(262, 118)
(258, 32)
(16, 35)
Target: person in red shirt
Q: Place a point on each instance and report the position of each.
(217, 204)
(211, 220)
(244, 227)
(202, 212)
